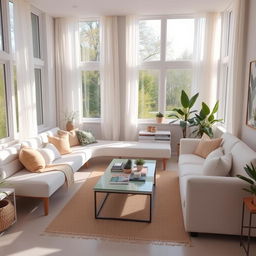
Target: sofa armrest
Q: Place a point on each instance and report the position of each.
(213, 204)
(188, 146)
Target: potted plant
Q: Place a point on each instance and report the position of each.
(251, 172)
(159, 117)
(139, 163)
(183, 114)
(204, 121)
(69, 118)
(128, 166)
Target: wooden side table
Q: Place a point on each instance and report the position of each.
(251, 208)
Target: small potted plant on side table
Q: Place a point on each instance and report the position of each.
(251, 171)
(159, 117)
(139, 163)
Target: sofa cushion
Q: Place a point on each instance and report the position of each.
(242, 155)
(31, 159)
(61, 143)
(49, 153)
(218, 152)
(36, 184)
(218, 165)
(190, 159)
(228, 142)
(206, 146)
(190, 169)
(73, 140)
(85, 137)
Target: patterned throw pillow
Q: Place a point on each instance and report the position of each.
(85, 137)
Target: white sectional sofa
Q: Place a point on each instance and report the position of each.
(43, 185)
(213, 204)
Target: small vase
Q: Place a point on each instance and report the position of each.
(139, 167)
(69, 126)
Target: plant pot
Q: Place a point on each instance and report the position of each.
(127, 171)
(254, 199)
(139, 167)
(7, 214)
(69, 126)
(159, 120)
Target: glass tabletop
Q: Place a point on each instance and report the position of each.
(104, 185)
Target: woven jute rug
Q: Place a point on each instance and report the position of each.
(77, 219)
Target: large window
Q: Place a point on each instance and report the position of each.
(165, 54)
(224, 83)
(90, 67)
(38, 65)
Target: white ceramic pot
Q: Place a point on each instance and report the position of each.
(139, 167)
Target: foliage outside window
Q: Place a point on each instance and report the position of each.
(90, 57)
(165, 53)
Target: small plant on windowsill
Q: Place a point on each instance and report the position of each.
(251, 172)
(159, 117)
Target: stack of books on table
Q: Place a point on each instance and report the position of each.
(119, 179)
(117, 167)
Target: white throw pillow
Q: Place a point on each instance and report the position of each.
(215, 153)
(49, 153)
(217, 166)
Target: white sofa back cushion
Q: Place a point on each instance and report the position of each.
(242, 155)
(217, 165)
(49, 153)
(228, 142)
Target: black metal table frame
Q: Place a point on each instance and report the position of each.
(250, 227)
(97, 211)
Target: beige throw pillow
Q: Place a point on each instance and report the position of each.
(61, 143)
(32, 160)
(73, 140)
(206, 146)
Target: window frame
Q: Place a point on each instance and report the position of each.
(163, 65)
(89, 66)
(224, 63)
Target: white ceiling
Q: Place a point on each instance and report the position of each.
(85, 8)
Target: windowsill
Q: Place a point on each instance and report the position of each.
(92, 120)
(153, 122)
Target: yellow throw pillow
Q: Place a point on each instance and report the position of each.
(207, 145)
(61, 143)
(73, 140)
(31, 159)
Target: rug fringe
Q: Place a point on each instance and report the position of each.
(118, 240)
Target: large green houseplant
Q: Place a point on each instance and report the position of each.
(183, 114)
(204, 121)
(251, 172)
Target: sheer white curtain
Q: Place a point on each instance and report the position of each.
(235, 90)
(131, 87)
(206, 57)
(110, 92)
(25, 70)
(68, 77)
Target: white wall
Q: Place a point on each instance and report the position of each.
(248, 135)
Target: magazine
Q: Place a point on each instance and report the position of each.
(117, 166)
(119, 179)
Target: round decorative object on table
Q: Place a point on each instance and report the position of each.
(137, 175)
(70, 126)
(7, 214)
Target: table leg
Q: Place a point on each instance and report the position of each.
(242, 227)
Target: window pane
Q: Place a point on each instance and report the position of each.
(39, 98)
(180, 39)
(16, 96)
(148, 93)
(176, 81)
(35, 35)
(149, 40)
(11, 13)
(90, 40)
(3, 106)
(1, 28)
(91, 94)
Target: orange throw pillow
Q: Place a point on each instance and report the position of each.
(73, 140)
(207, 145)
(31, 159)
(61, 143)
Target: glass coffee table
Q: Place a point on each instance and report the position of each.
(133, 187)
